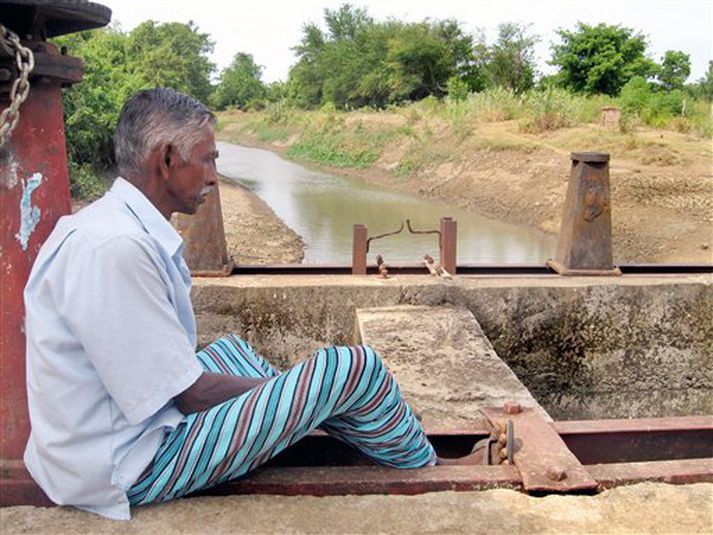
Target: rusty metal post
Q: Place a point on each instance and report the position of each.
(449, 240)
(359, 250)
(34, 194)
(585, 239)
(205, 250)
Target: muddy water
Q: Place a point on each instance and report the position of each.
(322, 208)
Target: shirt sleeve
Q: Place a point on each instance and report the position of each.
(120, 310)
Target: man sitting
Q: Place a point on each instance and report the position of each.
(123, 410)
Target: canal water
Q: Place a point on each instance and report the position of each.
(322, 209)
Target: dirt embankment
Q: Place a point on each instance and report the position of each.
(662, 181)
(254, 234)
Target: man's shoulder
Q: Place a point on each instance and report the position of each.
(105, 220)
(105, 226)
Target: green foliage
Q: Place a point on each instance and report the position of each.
(704, 87)
(419, 63)
(674, 69)
(511, 62)
(329, 148)
(358, 62)
(239, 85)
(635, 96)
(457, 89)
(600, 59)
(91, 108)
(84, 183)
(548, 110)
(117, 65)
(655, 108)
(173, 55)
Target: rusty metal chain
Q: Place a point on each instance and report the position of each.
(20, 88)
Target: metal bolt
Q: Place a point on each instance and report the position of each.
(512, 407)
(556, 474)
(5, 75)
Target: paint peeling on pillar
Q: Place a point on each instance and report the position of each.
(9, 177)
(29, 215)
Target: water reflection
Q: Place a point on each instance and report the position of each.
(322, 209)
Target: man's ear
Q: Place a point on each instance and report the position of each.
(166, 157)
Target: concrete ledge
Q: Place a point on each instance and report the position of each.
(584, 347)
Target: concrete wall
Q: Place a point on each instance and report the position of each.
(585, 347)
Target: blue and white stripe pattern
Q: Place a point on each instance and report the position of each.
(345, 391)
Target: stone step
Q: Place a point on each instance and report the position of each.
(445, 365)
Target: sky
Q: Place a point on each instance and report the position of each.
(268, 29)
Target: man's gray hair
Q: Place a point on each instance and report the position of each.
(155, 116)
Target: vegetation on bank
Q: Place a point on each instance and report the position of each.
(429, 69)
(434, 130)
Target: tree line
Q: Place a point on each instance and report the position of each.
(354, 61)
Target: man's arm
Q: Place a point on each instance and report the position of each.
(212, 389)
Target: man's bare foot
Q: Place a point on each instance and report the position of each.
(497, 444)
(475, 457)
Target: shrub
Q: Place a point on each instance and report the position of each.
(550, 109)
(84, 184)
(495, 104)
(457, 89)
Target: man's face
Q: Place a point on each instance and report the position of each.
(191, 181)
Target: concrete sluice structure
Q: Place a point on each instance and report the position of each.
(585, 348)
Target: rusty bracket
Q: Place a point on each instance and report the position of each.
(447, 241)
(542, 458)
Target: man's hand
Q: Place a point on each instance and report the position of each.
(212, 389)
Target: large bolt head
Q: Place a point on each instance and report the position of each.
(512, 407)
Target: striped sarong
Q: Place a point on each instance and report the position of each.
(346, 391)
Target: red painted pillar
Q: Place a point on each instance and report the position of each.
(34, 194)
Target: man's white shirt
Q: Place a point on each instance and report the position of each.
(111, 340)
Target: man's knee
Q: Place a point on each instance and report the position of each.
(361, 359)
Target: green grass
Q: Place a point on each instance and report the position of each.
(424, 133)
(335, 149)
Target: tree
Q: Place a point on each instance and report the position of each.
(600, 59)
(359, 62)
(119, 64)
(420, 63)
(91, 108)
(675, 68)
(346, 22)
(705, 84)
(304, 86)
(511, 62)
(239, 83)
(173, 55)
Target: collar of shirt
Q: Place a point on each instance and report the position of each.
(148, 215)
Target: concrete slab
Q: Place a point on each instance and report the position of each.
(445, 365)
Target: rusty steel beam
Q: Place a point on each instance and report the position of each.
(644, 439)
(343, 480)
(678, 472)
(541, 456)
(484, 270)
(321, 465)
